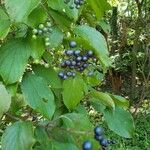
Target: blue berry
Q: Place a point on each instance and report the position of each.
(65, 77)
(84, 58)
(77, 52)
(61, 74)
(98, 137)
(90, 53)
(73, 74)
(104, 142)
(69, 52)
(79, 58)
(87, 145)
(72, 44)
(73, 63)
(90, 73)
(78, 64)
(85, 65)
(69, 74)
(98, 131)
(68, 62)
(63, 64)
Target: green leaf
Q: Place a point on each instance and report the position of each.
(120, 121)
(37, 47)
(18, 136)
(4, 24)
(120, 101)
(49, 75)
(38, 95)
(37, 16)
(73, 92)
(63, 8)
(63, 146)
(77, 121)
(96, 79)
(5, 100)
(104, 98)
(55, 38)
(19, 10)
(13, 60)
(99, 7)
(63, 22)
(96, 41)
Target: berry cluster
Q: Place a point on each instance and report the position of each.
(77, 3)
(99, 136)
(76, 61)
(43, 30)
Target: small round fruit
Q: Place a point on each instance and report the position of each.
(34, 37)
(41, 26)
(79, 58)
(45, 29)
(73, 63)
(84, 58)
(65, 77)
(73, 74)
(40, 32)
(48, 24)
(85, 65)
(87, 145)
(98, 131)
(104, 142)
(68, 62)
(90, 73)
(61, 74)
(69, 74)
(34, 31)
(46, 39)
(72, 44)
(47, 44)
(77, 52)
(69, 52)
(98, 137)
(90, 53)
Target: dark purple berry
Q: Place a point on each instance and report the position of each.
(73, 44)
(78, 64)
(79, 58)
(90, 73)
(61, 74)
(65, 77)
(68, 62)
(63, 64)
(84, 58)
(99, 137)
(69, 52)
(77, 2)
(69, 74)
(77, 52)
(73, 74)
(90, 53)
(85, 65)
(104, 142)
(87, 145)
(98, 131)
(73, 63)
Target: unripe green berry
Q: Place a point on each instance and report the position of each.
(46, 39)
(48, 24)
(40, 31)
(45, 29)
(41, 26)
(47, 44)
(34, 37)
(35, 31)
